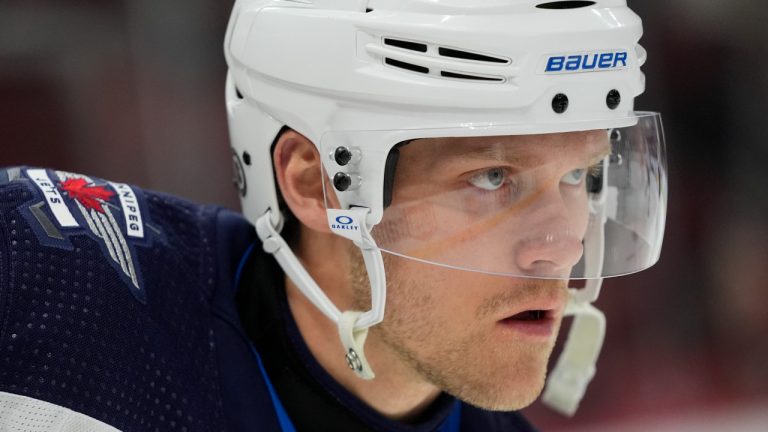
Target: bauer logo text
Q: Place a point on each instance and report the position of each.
(590, 62)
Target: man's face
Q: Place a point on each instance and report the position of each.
(512, 205)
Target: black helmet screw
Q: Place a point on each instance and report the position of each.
(613, 99)
(560, 103)
(342, 155)
(342, 181)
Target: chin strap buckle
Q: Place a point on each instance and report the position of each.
(354, 341)
(575, 368)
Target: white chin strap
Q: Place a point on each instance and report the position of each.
(575, 368)
(353, 325)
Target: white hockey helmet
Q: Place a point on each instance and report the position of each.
(361, 78)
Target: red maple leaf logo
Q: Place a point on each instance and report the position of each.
(88, 195)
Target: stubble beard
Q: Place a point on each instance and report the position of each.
(470, 367)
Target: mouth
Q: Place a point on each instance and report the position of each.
(530, 315)
(534, 323)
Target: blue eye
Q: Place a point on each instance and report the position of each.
(489, 180)
(574, 177)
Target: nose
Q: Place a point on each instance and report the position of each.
(549, 243)
(548, 254)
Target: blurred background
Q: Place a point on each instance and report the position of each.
(133, 91)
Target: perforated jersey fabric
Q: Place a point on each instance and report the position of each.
(116, 326)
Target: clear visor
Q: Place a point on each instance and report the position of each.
(571, 205)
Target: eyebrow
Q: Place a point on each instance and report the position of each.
(600, 155)
(494, 152)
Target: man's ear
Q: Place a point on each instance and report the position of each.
(299, 176)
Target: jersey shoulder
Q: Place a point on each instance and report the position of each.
(105, 294)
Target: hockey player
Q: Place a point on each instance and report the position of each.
(424, 179)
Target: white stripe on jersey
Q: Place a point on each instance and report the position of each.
(24, 414)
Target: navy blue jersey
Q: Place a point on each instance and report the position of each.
(122, 305)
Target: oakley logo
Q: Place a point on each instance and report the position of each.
(344, 223)
(344, 220)
(587, 62)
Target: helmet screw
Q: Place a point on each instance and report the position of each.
(615, 135)
(353, 360)
(560, 103)
(614, 99)
(342, 155)
(342, 181)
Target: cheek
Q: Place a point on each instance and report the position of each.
(433, 302)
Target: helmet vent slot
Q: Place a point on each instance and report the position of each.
(448, 74)
(407, 66)
(466, 55)
(413, 46)
(570, 4)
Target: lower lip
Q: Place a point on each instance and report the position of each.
(540, 329)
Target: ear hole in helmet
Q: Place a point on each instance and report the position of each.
(570, 4)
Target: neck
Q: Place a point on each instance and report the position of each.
(397, 392)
